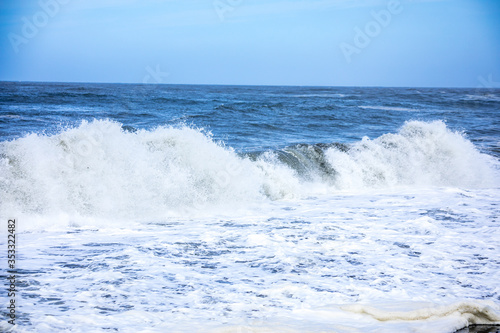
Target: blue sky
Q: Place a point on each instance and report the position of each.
(446, 43)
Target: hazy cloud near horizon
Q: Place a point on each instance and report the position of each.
(319, 42)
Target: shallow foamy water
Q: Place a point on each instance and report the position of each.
(305, 264)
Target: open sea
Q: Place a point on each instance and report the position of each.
(191, 208)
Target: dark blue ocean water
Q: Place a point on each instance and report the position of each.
(251, 118)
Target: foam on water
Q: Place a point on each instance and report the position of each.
(489, 97)
(397, 317)
(386, 108)
(421, 154)
(100, 170)
(392, 260)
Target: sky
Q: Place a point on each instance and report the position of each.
(410, 43)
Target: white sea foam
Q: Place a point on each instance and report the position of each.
(394, 317)
(386, 108)
(405, 260)
(319, 95)
(488, 97)
(100, 171)
(119, 241)
(421, 154)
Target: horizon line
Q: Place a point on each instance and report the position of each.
(247, 85)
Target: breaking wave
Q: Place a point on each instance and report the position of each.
(101, 169)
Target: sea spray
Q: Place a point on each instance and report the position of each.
(97, 169)
(420, 154)
(100, 170)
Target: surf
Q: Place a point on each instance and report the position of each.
(101, 169)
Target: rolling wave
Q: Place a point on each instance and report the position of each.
(103, 169)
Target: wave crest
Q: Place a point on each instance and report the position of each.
(419, 154)
(102, 169)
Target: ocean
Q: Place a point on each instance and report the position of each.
(198, 208)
